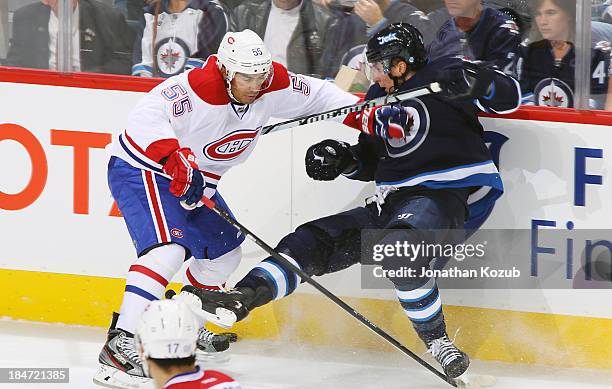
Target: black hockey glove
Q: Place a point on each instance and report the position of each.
(468, 79)
(328, 159)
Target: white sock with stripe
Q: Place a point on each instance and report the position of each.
(147, 280)
(212, 273)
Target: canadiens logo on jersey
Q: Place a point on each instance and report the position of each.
(231, 145)
(417, 130)
(553, 92)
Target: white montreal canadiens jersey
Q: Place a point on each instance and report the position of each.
(194, 108)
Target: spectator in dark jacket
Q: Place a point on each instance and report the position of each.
(295, 31)
(359, 20)
(477, 33)
(177, 36)
(378, 14)
(101, 43)
(131, 9)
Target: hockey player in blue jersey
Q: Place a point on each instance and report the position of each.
(427, 157)
(546, 68)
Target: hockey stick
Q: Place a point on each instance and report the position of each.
(347, 308)
(434, 87)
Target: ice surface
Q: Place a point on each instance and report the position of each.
(272, 365)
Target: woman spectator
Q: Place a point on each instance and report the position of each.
(178, 35)
(546, 64)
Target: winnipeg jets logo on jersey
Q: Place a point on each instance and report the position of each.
(171, 55)
(231, 145)
(415, 134)
(553, 92)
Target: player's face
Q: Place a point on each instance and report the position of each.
(377, 74)
(246, 87)
(462, 8)
(553, 22)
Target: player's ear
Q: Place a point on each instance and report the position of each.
(401, 67)
(398, 68)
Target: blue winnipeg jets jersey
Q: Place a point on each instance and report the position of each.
(444, 146)
(183, 40)
(549, 82)
(495, 38)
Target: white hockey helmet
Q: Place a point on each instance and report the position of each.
(244, 52)
(167, 330)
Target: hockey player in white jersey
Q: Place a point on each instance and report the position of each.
(180, 140)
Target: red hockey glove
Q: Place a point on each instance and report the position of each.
(187, 180)
(389, 121)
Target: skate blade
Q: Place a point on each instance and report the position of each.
(203, 358)
(475, 381)
(222, 317)
(111, 377)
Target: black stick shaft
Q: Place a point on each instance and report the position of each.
(384, 100)
(373, 327)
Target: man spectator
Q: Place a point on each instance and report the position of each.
(294, 31)
(378, 14)
(101, 41)
(357, 20)
(477, 33)
(178, 35)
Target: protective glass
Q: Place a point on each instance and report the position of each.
(376, 69)
(253, 81)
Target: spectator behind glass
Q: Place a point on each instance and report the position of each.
(348, 38)
(229, 5)
(477, 33)
(296, 32)
(352, 31)
(378, 14)
(546, 64)
(178, 35)
(101, 41)
(131, 9)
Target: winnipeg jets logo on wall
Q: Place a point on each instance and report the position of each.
(417, 130)
(553, 92)
(231, 145)
(171, 55)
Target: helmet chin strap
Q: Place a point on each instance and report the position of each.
(228, 87)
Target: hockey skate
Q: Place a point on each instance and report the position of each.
(120, 365)
(222, 308)
(454, 362)
(211, 346)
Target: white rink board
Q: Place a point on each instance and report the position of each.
(271, 194)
